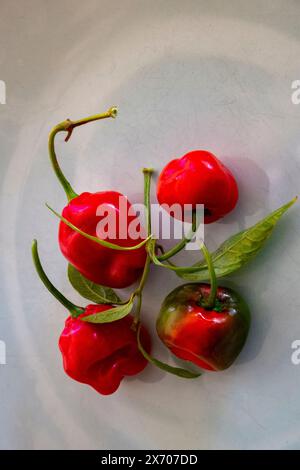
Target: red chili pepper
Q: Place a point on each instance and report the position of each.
(100, 264)
(97, 354)
(101, 355)
(204, 324)
(198, 178)
(210, 338)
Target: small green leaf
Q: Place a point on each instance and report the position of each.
(113, 314)
(184, 373)
(238, 249)
(90, 290)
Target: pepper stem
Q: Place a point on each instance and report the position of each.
(68, 126)
(194, 220)
(147, 185)
(74, 310)
(211, 300)
(180, 245)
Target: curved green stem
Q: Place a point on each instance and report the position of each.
(138, 292)
(73, 309)
(161, 249)
(172, 266)
(180, 245)
(211, 300)
(184, 373)
(176, 249)
(57, 170)
(68, 126)
(144, 275)
(147, 185)
(105, 243)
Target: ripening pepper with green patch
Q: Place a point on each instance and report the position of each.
(210, 337)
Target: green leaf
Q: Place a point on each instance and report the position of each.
(238, 249)
(184, 373)
(91, 291)
(113, 314)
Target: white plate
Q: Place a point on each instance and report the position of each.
(185, 75)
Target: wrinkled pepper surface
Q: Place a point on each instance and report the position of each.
(101, 355)
(97, 354)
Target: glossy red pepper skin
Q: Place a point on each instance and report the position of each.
(102, 265)
(210, 339)
(198, 178)
(101, 355)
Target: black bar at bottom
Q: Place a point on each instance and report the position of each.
(138, 458)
